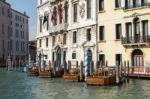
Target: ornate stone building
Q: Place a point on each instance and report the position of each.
(69, 30)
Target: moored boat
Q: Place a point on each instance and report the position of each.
(73, 75)
(33, 71)
(103, 76)
(47, 73)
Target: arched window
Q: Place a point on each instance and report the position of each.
(55, 16)
(137, 58)
(66, 12)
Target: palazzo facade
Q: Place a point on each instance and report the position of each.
(111, 31)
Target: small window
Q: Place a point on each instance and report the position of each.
(102, 59)
(88, 34)
(118, 31)
(40, 43)
(101, 5)
(117, 3)
(74, 37)
(101, 33)
(40, 24)
(73, 55)
(118, 59)
(46, 42)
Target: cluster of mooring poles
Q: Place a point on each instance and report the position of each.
(16, 65)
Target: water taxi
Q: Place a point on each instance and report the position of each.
(102, 76)
(73, 75)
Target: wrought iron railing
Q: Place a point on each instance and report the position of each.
(137, 5)
(136, 39)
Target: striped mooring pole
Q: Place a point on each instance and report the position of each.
(87, 63)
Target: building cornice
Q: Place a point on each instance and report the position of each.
(19, 12)
(47, 2)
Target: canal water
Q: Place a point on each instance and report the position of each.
(15, 85)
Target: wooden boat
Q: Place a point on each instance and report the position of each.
(103, 76)
(33, 71)
(48, 73)
(74, 75)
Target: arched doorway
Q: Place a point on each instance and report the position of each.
(137, 58)
(58, 58)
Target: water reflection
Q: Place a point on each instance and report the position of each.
(15, 85)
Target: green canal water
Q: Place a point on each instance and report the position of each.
(15, 85)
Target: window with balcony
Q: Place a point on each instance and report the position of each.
(101, 5)
(74, 37)
(47, 25)
(75, 12)
(54, 16)
(101, 33)
(88, 34)
(128, 31)
(118, 31)
(88, 9)
(66, 12)
(135, 3)
(59, 12)
(145, 30)
(117, 3)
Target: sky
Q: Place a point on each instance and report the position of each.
(29, 6)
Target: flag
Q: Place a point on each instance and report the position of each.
(52, 17)
(60, 14)
(45, 19)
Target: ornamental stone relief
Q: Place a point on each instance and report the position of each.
(82, 10)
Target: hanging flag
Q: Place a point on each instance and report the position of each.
(52, 17)
(60, 14)
(45, 19)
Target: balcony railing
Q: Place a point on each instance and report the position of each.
(137, 5)
(136, 40)
(58, 28)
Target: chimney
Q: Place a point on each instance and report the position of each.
(24, 13)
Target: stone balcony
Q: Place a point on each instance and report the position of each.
(58, 28)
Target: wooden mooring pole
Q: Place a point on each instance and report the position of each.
(91, 67)
(81, 71)
(128, 71)
(117, 73)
